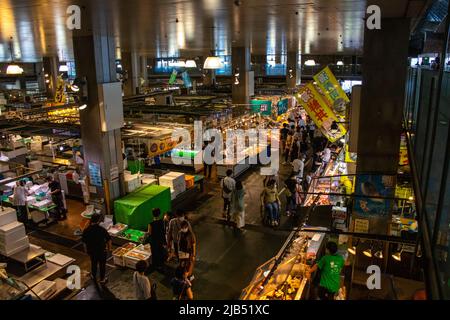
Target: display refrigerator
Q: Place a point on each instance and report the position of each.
(284, 276)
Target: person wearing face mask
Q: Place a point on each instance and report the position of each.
(173, 232)
(187, 249)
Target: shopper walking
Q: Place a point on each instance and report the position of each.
(156, 232)
(187, 249)
(142, 284)
(287, 147)
(228, 185)
(57, 197)
(98, 242)
(291, 187)
(295, 148)
(181, 286)
(238, 205)
(283, 135)
(298, 166)
(20, 201)
(173, 233)
(270, 202)
(330, 266)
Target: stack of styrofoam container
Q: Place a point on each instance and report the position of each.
(35, 165)
(148, 179)
(4, 167)
(13, 238)
(175, 181)
(132, 182)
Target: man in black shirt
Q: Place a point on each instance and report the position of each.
(283, 135)
(57, 198)
(97, 242)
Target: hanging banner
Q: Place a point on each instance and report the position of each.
(173, 76)
(60, 96)
(374, 201)
(283, 106)
(316, 107)
(264, 107)
(332, 90)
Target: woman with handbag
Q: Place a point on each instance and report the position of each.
(187, 249)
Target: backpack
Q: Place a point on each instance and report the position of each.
(225, 188)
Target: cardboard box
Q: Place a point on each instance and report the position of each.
(45, 289)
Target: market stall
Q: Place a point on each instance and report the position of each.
(284, 276)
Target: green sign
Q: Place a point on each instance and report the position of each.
(173, 76)
(283, 106)
(264, 107)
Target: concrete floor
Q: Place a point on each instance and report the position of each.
(226, 259)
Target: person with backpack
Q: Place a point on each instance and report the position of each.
(228, 185)
(181, 286)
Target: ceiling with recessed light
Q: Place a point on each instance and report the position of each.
(170, 28)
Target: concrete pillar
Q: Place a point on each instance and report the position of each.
(51, 69)
(39, 70)
(380, 120)
(209, 78)
(94, 51)
(382, 96)
(240, 58)
(293, 72)
(130, 65)
(143, 69)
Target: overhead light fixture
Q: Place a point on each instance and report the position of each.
(310, 63)
(14, 69)
(340, 63)
(352, 249)
(82, 107)
(47, 81)
(379, 253)
(398, 255)
(46, 75)
(213, 62)
(411, 198)
(342, 140)
(368, 252)
(63, 68)
(61, 148)
(191, 64)
(74, 88)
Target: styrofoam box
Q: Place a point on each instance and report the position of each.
(12, 247)
(45, 289)
(149, 181)
(12, 232)
(7, 216)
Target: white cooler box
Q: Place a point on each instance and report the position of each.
(12, 232)
(7, 216)
(10, 248)
(175, 181)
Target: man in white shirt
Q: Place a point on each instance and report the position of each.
(326, 155)
(20, 200)
(297, 167)
(228, 185)
(301, 122)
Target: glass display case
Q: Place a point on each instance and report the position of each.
(284, 276)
